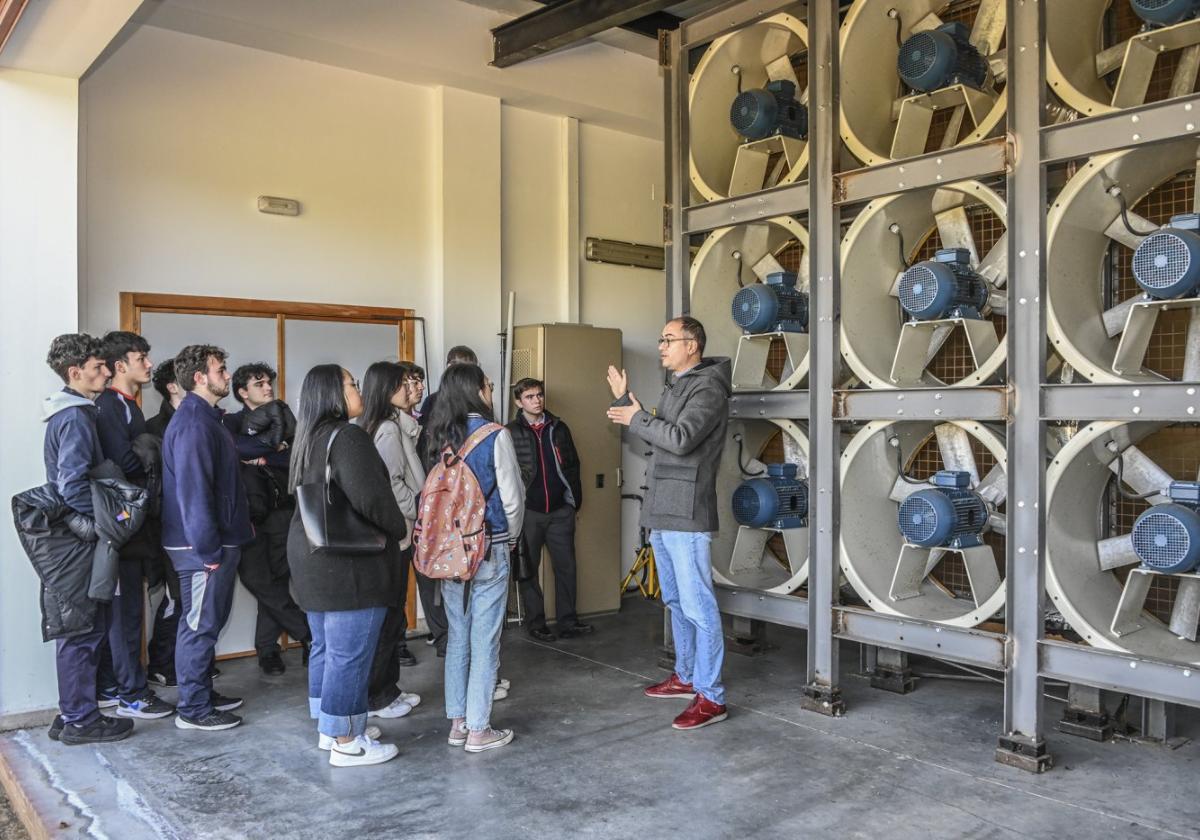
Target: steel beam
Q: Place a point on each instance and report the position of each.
(678, 254)
(978, 160)
(788, 200)
(769, 405)
(1171, 682)
(564, 23)
(954, 644)
(1022, 743)
(1168, 401)
(1156, 123)
(754, 604)
(727, 17)
(986, 403)
(822, 692)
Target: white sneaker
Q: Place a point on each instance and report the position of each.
(411, 699)
(503, 683)
(398, 708)
(325, 742)
(361, 751)
(500, 691)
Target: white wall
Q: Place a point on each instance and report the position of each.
(38, 152)
(184, 133)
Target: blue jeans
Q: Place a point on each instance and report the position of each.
(343, 642)
(682, 559)
(473, 644)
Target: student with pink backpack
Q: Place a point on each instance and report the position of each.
(472, 506)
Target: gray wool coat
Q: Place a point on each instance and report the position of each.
(687, 436)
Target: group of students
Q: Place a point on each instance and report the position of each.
(218, 490)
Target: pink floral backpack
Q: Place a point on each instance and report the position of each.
(450, 536)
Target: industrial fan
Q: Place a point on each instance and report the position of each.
(904, 528)
(898, 315)
(1101, 583)
(750, 303)
(917, 77)
(1102, 55)
(762, 489)
(1119, 289)
(747, 110)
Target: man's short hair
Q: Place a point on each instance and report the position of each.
(193, 359)
(692, 329)
(461, 354)
(527, 384)
(72, 350)
(118, 344)
(163, 376)
(243, 375)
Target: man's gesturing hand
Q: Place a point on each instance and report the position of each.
(623, 414)
(618, 382)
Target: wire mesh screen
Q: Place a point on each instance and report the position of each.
(1122, 23)
(953, 361)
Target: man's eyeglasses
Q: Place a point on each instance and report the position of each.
(664, 340)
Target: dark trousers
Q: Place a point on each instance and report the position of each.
(125, 631)
(161, 648)
(556, 531)
(76, 660)
(435, 610)
(385, 667)
(205, 600)
(264, 571)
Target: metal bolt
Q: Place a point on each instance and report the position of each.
(1137, 409)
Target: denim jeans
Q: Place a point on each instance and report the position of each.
(343, 642)
(473, 644)
(685, 574)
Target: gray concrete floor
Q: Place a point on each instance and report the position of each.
(593, 758)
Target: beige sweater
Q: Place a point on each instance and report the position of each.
(396, 440)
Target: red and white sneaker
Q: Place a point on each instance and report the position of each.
(672, 686)
(701, 712)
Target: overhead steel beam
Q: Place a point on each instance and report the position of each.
(10, 13)
(562, 24)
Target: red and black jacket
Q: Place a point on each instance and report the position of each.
(549, 463)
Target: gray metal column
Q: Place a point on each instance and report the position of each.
(822, 693)
(1021, 743)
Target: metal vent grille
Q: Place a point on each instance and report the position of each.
(1152, 5)
(1160, 540)
(1161, 260)
(746, 307)
(744, 111)
(522, 363)
(918, 519)
(918, 55)
(745, 504)
(918, 288)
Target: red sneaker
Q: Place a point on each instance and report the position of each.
(672, 686)
(701, 712)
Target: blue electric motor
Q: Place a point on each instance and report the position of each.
(941, 57)
(948, 515)
(1166, 538)
(759, 113)
(1167, 263)
(1165, 12)
(944, 287)
(773, 306)
(780, 500)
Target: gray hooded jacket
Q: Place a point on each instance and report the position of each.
(687, 436)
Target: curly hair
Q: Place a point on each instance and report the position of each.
(193, 359)
(118, 344)
(244, 373)
(72, 350)
(163, 376)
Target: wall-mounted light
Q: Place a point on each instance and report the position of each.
(625, 253)
(278, 206)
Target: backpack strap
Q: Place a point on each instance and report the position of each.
(477, 437)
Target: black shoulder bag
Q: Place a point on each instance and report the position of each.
(330, 523)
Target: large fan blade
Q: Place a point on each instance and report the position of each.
(1185, 614)
(1191, 348)
(1110, 59)
(1184, 80)
(998, 301)
(755, 243)
(748, 549)
(994, 266)
(993, 486)
(954, 228)
(902, 489)
(765, 267)
(895, 290)
(781, 70)
(954, 444)
(1116, 552)
(998, 522)
(930, 21)
(1117, 317)
(1142, 474)
(1119, 233)
(988, 28)
(802, 281)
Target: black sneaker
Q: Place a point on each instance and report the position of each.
(574, 630)
(213, 672)
(56, 728)
(542, 634)
(271, 664)
(224, 704)
(108, 698)
(305, 652)
(213, 722)
(99, 731)
(149, 707)
(405, 657)
(161, 676)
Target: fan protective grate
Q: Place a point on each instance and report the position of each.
(746, 307)
(918, 288)
(1161, 260)
(918, 519)
(918, 55)
(1160, 540)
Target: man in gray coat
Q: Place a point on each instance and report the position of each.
(687, 435)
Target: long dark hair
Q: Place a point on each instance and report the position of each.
(382, 381)
(322, 401)
(457, 396)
